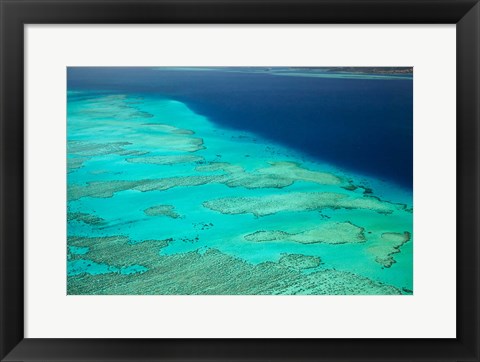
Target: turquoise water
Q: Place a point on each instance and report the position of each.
(151, 182)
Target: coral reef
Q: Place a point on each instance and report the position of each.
(211, 273)
(167, 128)
(389, 245)
(162, 210)
(90, 149)
(233, 176)
(296, 201)
(277, 175)
(220, 166)
(328, 232)
(299, 261)
(85, 218)
(106, 189)
(118, 250)
(293, 171)
(100, 189)
(179, 143)
(165, 160)
(75, 163)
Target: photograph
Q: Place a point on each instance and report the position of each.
(227, 180)
(252, 180)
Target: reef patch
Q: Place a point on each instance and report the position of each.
(75, 163)
(296, 201)
(166, 160)
(167, 128)
(163, 210)
(212, 273)
(328, 232)
(85, 218)
(299, 261)
(389, 245)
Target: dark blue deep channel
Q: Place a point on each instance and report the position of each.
(365, 125)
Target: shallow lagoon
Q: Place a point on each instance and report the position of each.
(131, 153)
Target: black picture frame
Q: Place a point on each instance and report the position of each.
(17, 13)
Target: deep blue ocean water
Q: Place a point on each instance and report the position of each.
(364, 125)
